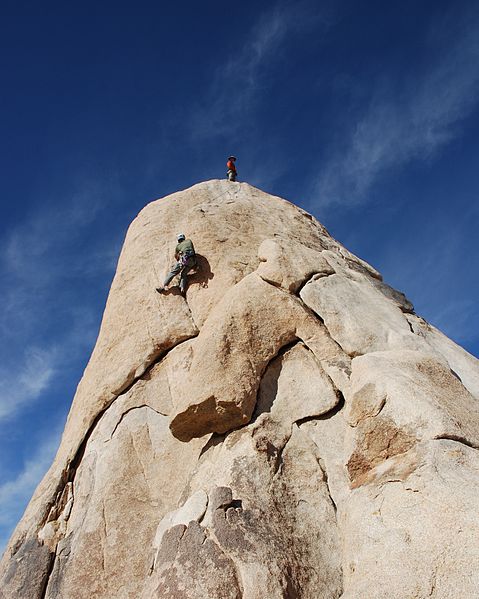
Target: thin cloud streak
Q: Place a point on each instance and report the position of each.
(239, 83)
(39, 257)
(44, 234)
(397, 129)
(41, 254)
(15, 494)
(23, 386)
(440, 289)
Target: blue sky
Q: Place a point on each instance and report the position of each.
(365, 114)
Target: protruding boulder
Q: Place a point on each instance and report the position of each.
(288, 264)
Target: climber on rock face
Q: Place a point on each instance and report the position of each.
(230, 165)
(185, 260)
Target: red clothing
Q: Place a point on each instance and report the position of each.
(230, 165)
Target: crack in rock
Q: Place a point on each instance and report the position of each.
(457, 439)
(126, 412)
(69, 472)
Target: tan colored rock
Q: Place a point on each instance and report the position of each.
(399, 398)
(193, 510)
(460, 361)
(416, 388)
(295, 387)
(120, 495)
(360, 271)
(270, 477)
(334, 445)
(288, 264)
(276, 520)
(187, 560)
(139, 326)
(245, 442)
(242, 335)
(358, 316)
(412, 531)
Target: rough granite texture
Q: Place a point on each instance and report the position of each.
(290, 429)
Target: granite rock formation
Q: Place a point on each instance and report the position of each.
(290, 429)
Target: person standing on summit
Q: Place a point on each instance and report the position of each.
(185, 257)
(230, 165)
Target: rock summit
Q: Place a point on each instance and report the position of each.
(289, 429)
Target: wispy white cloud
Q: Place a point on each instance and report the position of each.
(27, 382)
(49, 248)
(44, 233)
(15, 493)
(34, 267)
(41, 260)
(240, 81)
(412, 124)
(433, 270)
(458, 319)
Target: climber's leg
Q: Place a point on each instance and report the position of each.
(183, 279)
(173, 272)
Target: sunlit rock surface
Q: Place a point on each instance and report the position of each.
(290, 429)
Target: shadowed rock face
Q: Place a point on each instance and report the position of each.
(290, 429)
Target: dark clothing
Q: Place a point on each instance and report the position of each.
(184, 248)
